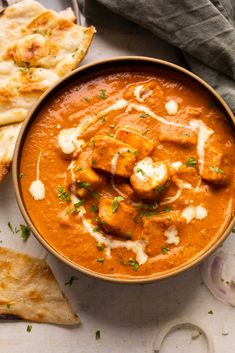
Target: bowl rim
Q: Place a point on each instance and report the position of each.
(20, 142)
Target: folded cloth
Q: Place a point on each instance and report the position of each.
(204, 30)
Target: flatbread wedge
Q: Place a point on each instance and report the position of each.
(29, 291)
(37, 47)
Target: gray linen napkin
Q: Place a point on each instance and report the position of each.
(203, 29)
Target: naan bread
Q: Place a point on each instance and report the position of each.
(37, 47)
(8, 136)
(29, 291)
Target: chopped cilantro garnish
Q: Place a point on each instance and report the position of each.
(8, 306)
(10, 227)
(100, 260)
(134, 264)
(143, 115)
(96, 229)
(139, 170)
(97, 335)
(216, 170)
(191, 162)
(210, 312)
(128, 236)
(24, 69)
(103, 119)
(147, 213)
(233, 230)
(116, 203)
(63, 195)
(93, 162)
(103, 94)
(165, 250)
(160, 188)
(100, 246)
(78, 169)
(75, 208)
(94, 194)
(21, 175)
(25, 232)
(84, 185)
(136, 152)
(29, 328)
(71, 280)
(167, 209)
(86, 99)
(94, 208)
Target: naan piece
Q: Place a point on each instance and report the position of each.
(8, 136)
(29, 291)
(37, 47)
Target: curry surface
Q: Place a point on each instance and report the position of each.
(67, 234)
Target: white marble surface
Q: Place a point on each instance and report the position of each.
(128, 317)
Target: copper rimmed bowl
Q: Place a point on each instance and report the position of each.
(85, 72)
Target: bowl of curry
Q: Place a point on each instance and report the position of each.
(125, 169)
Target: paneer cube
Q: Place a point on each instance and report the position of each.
(217, 166)
(113, 156)
(177, 135)
(84, 175)
(136, 140)
(117, 217)
(162, 230)
(149, 178)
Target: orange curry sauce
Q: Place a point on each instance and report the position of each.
(118, 200)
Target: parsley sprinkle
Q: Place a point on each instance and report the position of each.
(116, 203)
(191, 162)
(21, 175)
(24, 69)
(25, 232)
(160, 188)
(165, 250)
(71, 280)
(10, 227)
(167, 209)
(128, 236)
(103, 94)
(97, 335)
(139, 170)
(134, 264)
(8, 306)
(143, 115)
(216, 170)
(94, 194)
(210, 312)
(93, 162)
(100, 246)
(75, 208)
(136, 152)
(84, 185)
(100, 260)
(86, 99)
(233, 230)
(29, 328)
(63, 195)
(103, 119)
(146, 213)
(94, 208)
(96, 229)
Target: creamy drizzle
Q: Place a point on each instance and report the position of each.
(204, 132)
(172, 235)
(141, 97)
(37, 188)
(116, 157)
(171, 199)
(68, 139)
(146, 110)
(137, 246)
(135, 204)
